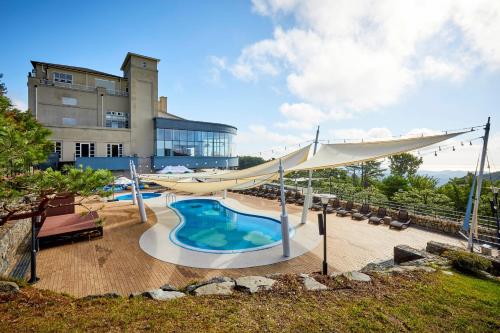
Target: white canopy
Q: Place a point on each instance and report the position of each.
(342, 154)
(329, 156)
(175, 169)
(122, 181)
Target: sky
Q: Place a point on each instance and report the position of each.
(277, 69)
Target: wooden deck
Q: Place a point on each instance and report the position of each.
(116, 263)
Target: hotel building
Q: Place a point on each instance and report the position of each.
(103, 120)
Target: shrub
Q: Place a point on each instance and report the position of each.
(467, 262)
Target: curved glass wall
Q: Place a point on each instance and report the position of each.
(177, 142)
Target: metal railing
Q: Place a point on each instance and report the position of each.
(81, 87)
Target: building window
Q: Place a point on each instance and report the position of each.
(174, 142)
(84, 149)
(116, 119)
(108, 84)
(69, 121)
(63, 78)
(115, 150)
(69, 101)
(58, 148)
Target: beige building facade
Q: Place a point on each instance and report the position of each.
(105, 118)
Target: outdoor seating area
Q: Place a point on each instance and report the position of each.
(60, 223)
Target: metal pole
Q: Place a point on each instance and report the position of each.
(134, 198)
(308, 197)
(285, 231)
(325, 265)
(140, 201)
(224, 195)
(474, 227)
(36, 102)
(33, 277)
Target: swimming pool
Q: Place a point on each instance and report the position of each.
(147, 195)
(208, 226)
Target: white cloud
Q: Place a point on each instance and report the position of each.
(359, 56)
(305, 116)
(218, 64)
(19, 104)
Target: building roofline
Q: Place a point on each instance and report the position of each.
(75, 68)
(198, 122)
(129, 54)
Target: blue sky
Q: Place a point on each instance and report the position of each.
(276, 69)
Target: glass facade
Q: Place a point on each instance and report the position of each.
(178, 142)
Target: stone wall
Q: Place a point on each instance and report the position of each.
(14, 237)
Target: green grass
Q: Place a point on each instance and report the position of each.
(421, 303)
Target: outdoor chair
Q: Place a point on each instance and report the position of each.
(333, 206)
(299, 199)
(379, 217)
(316, 204)
(402, 222)
(349, 206)
(364, 213)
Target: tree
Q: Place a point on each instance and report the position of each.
(370, 172)
(428, 198)
(249, 161)
(404, 164)
(422, 182)
(23, 189)
(3, 88)
(392, 184)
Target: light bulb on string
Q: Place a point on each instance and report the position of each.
(470, 143)
(453, 148)
(435, 153)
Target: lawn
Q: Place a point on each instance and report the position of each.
(418, 302)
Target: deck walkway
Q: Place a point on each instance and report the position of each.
(116, 263)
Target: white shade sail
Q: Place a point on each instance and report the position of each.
(329, 156)
(342, 154)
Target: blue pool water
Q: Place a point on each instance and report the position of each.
(209, 226)
(146, 195)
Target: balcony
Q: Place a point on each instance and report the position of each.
(81, 87)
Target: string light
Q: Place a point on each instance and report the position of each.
(435, 153)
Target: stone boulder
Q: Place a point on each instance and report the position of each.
(217, 288)
(162, 295)
(310, 284)
(253, 284)
(217, 279)
(168, 287)
(8, 287)
(357, 276)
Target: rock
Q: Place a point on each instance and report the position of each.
(357, 276)
(162, 295)
(168, 287)
(427, 269)
(217, 279)
(8, 287)
(253, 284)
(335, 274)
(395, 269)
(311, 284)
(218, 288)
(404, 253)
(447, 272)
(136, 294)
(106, 295)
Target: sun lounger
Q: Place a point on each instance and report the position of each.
(402, 222)
(364, 213)
(379, 217)
(333, 206)
(316, 204)
(346, 210)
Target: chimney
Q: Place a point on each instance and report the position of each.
(162, 105)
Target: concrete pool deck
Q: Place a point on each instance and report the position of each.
(116, 263)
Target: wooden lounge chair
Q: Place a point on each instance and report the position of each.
(349, 206)
(316, 204)
(62, 223)
(333, 206)
(364, 213)
(403, 220)
(379, 217)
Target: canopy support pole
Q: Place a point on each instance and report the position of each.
(285, 230)
(140, 201)
(308, 197)
(473, 228)
(134, 199)
(224, 195)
